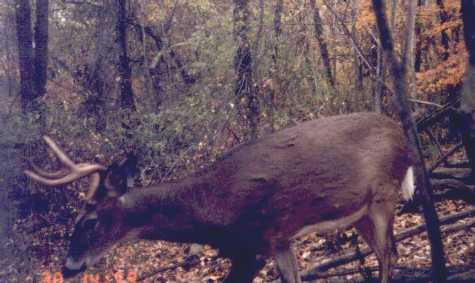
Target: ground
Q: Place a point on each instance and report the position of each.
(158, 261)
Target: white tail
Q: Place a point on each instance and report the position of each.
(321, 175)
(408, 184)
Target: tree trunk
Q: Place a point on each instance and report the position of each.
(444, 37)
(318, 28)
(333, 30)
(93, 77)
(381, 65)
(380, 77)
(409, 46)
(96, 78)
(467, 105)
(246, 100)
(425, 189)
(25, 54)
(41, 47)
(256, 48)
(156, 65)
(393, 14)
(357, 64)
(125, 73)
(418, 51)
(9, 68)
(273, 72)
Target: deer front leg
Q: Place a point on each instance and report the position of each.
(244, 268)
(287, 264)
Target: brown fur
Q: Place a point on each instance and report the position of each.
(259, 195)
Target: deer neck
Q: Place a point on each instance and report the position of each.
(163, 212)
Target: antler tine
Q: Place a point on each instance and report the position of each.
(59, 153)
(85, 170)
(58, 174)
(77, 171)
(93, 186)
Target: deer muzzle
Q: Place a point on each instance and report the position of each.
(71, 268)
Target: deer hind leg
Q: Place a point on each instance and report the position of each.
(244, 268)
(287, 264)
(377, 228)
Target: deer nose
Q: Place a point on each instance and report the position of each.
(72, 268)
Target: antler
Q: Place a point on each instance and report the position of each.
(63, 176)
(50, 175)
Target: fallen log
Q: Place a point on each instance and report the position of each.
(453, 189)
(444, 158)
(462, 174)
(404, 274)
(458, 164)
(437, 115)
(352, 256)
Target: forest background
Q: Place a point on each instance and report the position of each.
(175, 84)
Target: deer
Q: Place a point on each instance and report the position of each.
(322, 175)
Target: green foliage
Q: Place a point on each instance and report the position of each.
(178, 126)
(17, 131)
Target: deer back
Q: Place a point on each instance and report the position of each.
(317, 171)
(256, 197)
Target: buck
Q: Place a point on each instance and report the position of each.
(319, 176)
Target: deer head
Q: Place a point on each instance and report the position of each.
(322, 175)
(100, 222)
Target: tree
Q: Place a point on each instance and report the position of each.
(41, 46)
(25, 53)
(93, 77)
(318, 28)
(444, 37)
(274, 85)
(8, 38)
(398, 71)
(123, 66)
(409, 46)
(467, 105)
(246, 100)
(33, 62)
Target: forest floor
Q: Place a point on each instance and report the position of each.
(35, 248)
(156, 261)
(15, 258)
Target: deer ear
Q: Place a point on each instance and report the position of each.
(119, 175)
(130, 164)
